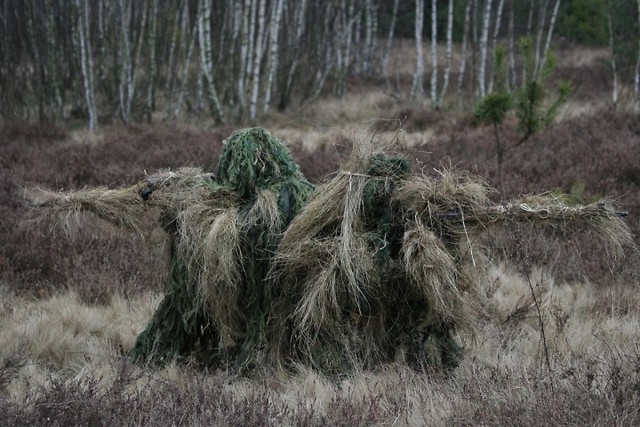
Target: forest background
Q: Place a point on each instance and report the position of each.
(232, 61)
(97, 93)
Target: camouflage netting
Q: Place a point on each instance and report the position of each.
(372, 266)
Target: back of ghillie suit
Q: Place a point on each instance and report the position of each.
(225, 230)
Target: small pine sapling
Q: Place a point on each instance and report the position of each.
(527, 102)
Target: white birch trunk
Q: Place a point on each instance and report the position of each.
(206, 56)
(86, 61)
(222, 39)
(233, 47)
(552, 25)
(497, 24)
(417, 88)
(542, 19)
(273, 54)
(465, 43)
(257, 60)
(482, 71)
(244, 54)
(126, 86)
(447, 70)
(253, 11)
(53, 61)
(370, 37)
(434, 54)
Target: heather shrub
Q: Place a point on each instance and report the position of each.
(595, 152)
(30, 132)
(96, 260)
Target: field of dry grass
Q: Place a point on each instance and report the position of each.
(557, 319)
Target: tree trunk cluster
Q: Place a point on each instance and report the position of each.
(234, 60)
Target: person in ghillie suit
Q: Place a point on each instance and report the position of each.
(218, 299)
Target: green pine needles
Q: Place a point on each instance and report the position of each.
(528, 103)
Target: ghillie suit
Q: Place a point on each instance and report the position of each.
(372, 265)
(369, 269)
(218, 301)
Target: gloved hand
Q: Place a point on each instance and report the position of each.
(146, 192)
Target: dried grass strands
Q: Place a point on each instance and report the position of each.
(265, 213)
(319, 301)
(433, 275)
(551, 210)
(332, 200)
(450, 190)
(122, 207)
(172, 189)
(182, 178)
(329, 230)
(209, 244)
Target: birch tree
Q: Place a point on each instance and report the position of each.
(417, 88)
(126, 85)
(86, 60)
(244, 54)
(274, 31)
(484, 48)
(257, 60)
(465, 42)
(552, 25)
(542, 17)
(447, 70)
(206, 57)
(371, 29)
